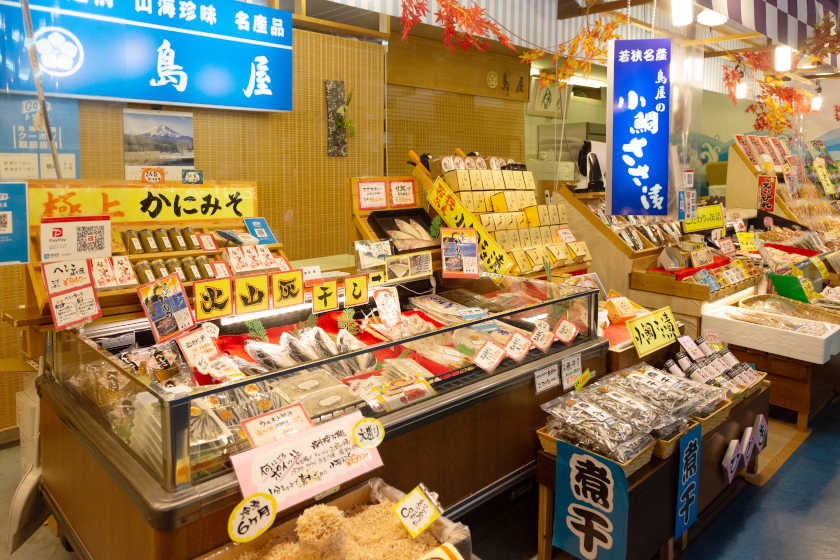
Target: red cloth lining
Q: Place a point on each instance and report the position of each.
(686, 272)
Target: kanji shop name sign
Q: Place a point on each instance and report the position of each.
(639, 109)
(135, 202)
(454, 215)
(305, 464)
(688, 480)
(653, 331)
(154, 51)
(590, 505)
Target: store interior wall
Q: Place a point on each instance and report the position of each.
(302, 192)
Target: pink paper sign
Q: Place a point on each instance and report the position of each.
(303, 465)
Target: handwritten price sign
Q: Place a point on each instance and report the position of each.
(653, 331)
(416, 511)
(707, 217)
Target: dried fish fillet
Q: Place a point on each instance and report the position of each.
(421, 231)
(273, 356)
(346, 342)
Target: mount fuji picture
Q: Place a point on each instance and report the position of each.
(157, 139)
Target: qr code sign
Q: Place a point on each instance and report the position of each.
(90, 238)
(5, 223)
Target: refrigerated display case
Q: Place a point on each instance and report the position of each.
(155, 449)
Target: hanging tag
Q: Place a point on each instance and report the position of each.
(416, 511)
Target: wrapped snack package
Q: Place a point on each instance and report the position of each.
(591, 426)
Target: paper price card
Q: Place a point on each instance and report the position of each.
(489, 356)
(727, 246)
(252, 517)
(74, 307)
(566, 331)
(653, 331)
(583, 380)
(325, 296)
(707, 217)
(746, 239)
(372, 195)
(416, 511)
(66, 275)
(198, 348)
(817, 262)
(517, 346)
(311, 274)
(542, 337)
(213, 299)
(153, 175)
(571, 369)
(302, 465)
(272, 426)
(402, 192)
(368, 433)
(287, 288)
(388, 306)
(356, 290)
(547, 378)
(251, 294)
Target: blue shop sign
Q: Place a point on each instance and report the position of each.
(14, 224)
(212, 53)
(638, 126)
(688, 480)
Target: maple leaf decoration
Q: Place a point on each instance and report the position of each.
(464, 27)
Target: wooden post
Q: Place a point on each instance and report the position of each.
(300, 7)
(545, 523)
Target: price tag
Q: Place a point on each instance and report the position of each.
(152, 175)
(565, 331)
(747, 241)
(691, 348)
(388, 306)
(276, 424)
(727, 246)
(416, 511)
(198, 348)
(311, 273)
(212, 329)
(571, 368)
(583, 380)
(546, 378)
(740, 225)
(252, 517)
(542, 337)
(368, 433)
(706, 217)
(653, 331)
(820, 266)
(517, 346)
(489, 356)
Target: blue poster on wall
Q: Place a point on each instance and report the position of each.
(688, 480)
(177, 52)
(24, 149)
(590, 505)
(14, 226)
(638, 126)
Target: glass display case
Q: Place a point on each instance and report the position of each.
(182, 426)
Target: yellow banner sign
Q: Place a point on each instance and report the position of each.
(822, 173)
(251, 293)
(213, 299)
(653, 331)
(453, 214)
(355, 290)
(707, 217)
(138, 202)
(746, 239)
(287, 288)
(325, 296)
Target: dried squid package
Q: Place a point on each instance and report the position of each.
(591, 426)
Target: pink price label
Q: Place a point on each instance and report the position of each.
(517, 346)
(542, 337)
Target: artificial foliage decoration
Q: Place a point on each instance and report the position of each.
(434, 227)
(776, 104)
(347, 320)
(464, 27)
(576, 56)
(256, 330)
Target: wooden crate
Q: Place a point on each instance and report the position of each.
(717, 417)
(549, 445)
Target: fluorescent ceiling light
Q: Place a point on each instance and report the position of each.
(816, 103)
(711, 18)
(535, 71)
(784, 54)
(682, 12)
(586, 82)
(741, 90)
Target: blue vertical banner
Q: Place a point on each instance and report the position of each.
(638, 122)
(688, 480)
(24, 148)
(590, 505)
(14, 224)
(178, 52)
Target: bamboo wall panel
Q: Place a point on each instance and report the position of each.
(437, 122)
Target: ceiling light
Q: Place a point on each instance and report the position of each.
(586, 82)
(817, 101)
(711, 18)
(741, 90)
(784, 54)
(535, 71)
(682, 12)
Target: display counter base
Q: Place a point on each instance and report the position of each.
(652, 489)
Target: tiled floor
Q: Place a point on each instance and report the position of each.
(794, 515)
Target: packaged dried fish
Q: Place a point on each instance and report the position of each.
(636, 411)
(320, 403)
(273, 356)
(803, 326)
(317, 339)
(346, 342)
(587, 424)
(249, 368)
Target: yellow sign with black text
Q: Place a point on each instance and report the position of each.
(653, 331)
(251, 294)
(213, 299)
(287, 288)
(325, 296)
(356, 290)
(707, 217)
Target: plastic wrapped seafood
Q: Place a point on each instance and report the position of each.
(273, 356)
(325, 347)
(411, 325)
(346, 342)
(439, 308)
(677, 395)
(438, 349)
(785, 306)
(249, 368)
(589, 425)
(803, 326)
(641, 415)
(161, 362)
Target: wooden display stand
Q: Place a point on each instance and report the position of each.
(742, 184)
(653, 490)
(800, 386)
(621, 268)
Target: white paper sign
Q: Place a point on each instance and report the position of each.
(198, 348)
(74, 308)
(542, 337)
(517, 346)
(372, 195)
(75, 238)
(547, 378)
(565, 331)
(272, 426)
(211, 328)
(402, 193)
(572, 369)
(302, 465)
(388, 306)
(66, 275)
(311, 273)
(489, 356)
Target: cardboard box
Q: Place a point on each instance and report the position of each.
(371, 492)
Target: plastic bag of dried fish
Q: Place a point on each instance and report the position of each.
(346, 342)
(325, 347)
(589, 425)
(273, 356)
(637, 412)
